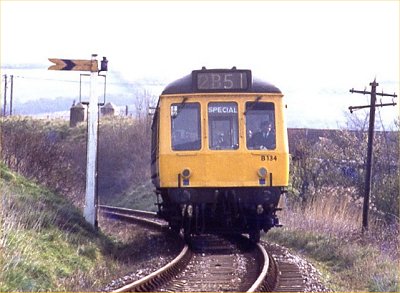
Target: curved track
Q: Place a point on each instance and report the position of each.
(144, 218)
(223, 264)
(212, 263)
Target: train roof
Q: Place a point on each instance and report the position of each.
(185, 85)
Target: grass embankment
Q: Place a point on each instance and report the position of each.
(141, 197)
(46, 245)
(327, 231)
(43, 239)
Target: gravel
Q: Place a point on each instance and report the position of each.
(156, 251)
(144, 252)
(312, 278)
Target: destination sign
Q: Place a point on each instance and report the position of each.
(222, 108)
(221, 80)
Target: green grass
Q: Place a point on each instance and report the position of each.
(44, 241)
(46, 244)
(139, 197)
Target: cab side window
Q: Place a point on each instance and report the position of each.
(185, 127)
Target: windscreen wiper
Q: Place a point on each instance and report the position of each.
(253, 105)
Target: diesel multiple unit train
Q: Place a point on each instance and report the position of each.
(219, 154)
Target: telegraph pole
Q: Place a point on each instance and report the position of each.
(368, 167)
(11, 93)
(5, 95)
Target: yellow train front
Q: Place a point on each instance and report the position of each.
(220, 153)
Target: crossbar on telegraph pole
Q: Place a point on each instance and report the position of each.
(368, 167)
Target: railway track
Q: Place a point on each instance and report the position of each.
(220, 264)
(213, 263)
(144, 218)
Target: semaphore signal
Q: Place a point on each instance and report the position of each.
(76, 65)
(91, 198)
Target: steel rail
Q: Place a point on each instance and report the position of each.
(134, 216)
(127, 211)
(259, 283)
(151, 281)
(266, 280)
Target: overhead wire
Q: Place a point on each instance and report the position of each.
(77, 81)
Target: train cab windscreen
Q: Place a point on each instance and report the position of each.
(223, 126)
(260, 126)
(185, 127)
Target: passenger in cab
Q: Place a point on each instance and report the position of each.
(265, 138)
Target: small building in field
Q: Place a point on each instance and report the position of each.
(109, 109)
(78, 114)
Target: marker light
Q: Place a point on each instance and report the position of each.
(262, 172)
(186, 173)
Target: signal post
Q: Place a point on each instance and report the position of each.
(90, 209)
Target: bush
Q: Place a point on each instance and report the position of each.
(337, 158)
(42, 150)
(55, 155)
(124, 155)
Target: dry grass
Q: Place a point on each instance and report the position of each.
(331, 211)
(328, 230)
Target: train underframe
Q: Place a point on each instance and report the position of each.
(220, 210)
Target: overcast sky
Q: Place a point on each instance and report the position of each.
(313, 51)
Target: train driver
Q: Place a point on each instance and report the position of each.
(265, 138)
